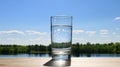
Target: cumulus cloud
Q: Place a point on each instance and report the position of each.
(117, 18)
(103, 32)
(36, 32)
(78, 31)
(91, 32)
(12, 32)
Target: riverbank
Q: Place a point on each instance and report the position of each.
(75, 62)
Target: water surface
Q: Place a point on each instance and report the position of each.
(49, 55)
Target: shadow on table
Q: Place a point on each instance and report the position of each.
(58, 63)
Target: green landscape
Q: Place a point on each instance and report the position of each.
(88, 48)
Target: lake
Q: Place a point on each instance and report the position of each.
(49, 55)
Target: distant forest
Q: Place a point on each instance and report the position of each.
(88, 48)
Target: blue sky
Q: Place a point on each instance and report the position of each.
(28, 21)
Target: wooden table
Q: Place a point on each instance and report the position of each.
(75, 62)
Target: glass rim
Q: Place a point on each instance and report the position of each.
(61, 16)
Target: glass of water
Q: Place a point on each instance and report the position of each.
(61, 37)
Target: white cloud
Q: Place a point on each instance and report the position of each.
(103, 32)
(104, 36)
(77, 39)
(78, 31)
(117, 18)
(90, 33)
(36, 32)
(117, 29)
(40, 40)
(118, 36)
(12, 32)
(114, 33)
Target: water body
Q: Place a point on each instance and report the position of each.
(61, 41)
(48, 55)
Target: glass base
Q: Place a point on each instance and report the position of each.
(61, 54)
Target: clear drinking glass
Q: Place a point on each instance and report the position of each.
(61, 37)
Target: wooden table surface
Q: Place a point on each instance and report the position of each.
(75, 62)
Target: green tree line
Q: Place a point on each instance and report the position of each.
(111, 48)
